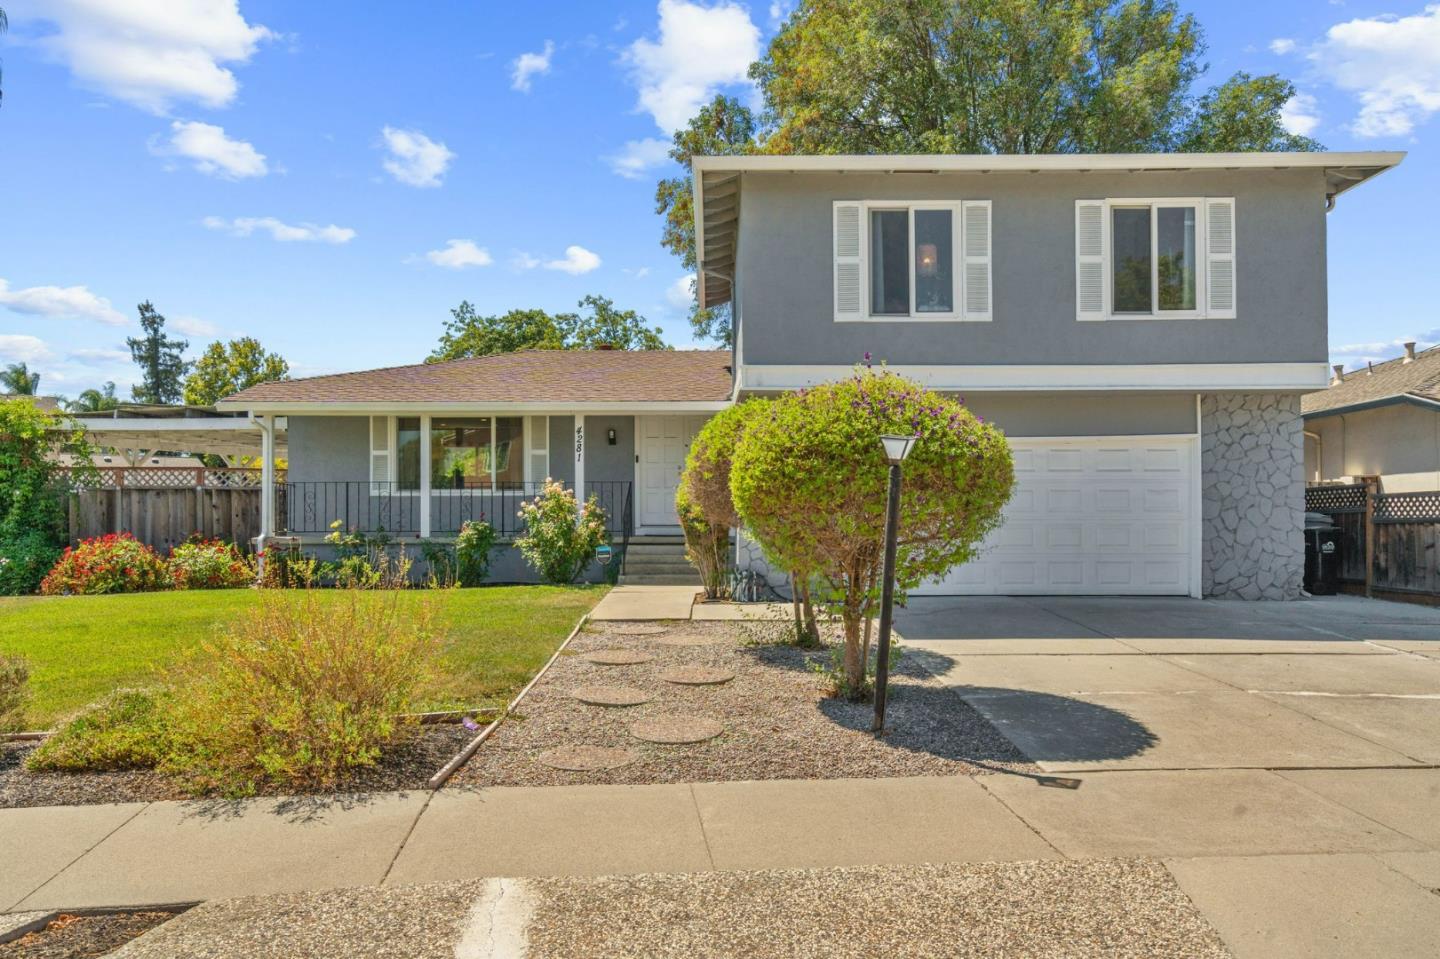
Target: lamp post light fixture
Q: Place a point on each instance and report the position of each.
(896, 449)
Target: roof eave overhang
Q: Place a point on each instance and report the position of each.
(1398, 399)
(552, 408)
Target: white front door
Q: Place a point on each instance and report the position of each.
(1110, 515)
(664, 441)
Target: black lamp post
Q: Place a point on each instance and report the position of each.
(896, 449)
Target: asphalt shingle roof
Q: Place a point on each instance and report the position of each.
(1420, 377)
(527, 376)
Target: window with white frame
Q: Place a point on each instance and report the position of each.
(922, 260)
(466, 453)
(1155, 258)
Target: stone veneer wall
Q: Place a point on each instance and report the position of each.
(1252, 461)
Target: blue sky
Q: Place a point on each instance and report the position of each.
(333, 180)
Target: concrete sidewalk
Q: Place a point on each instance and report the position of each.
(660, 603)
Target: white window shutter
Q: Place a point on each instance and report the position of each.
(849, 272)
(1090, 260)
(380, 452)
(975, 245)
(1220, 258)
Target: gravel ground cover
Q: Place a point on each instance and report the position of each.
(1118, 909)
(778, 722)
(84, 936)
(1085, 908)
(405, 766)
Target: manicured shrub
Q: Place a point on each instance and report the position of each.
(809, 480)
(557, 543)
(126, 730)
(209, 564)
(299, 691)
(707, 545)
(14, 692)
(702, 499)
(25, 558)
(115, 563)
(473, 546)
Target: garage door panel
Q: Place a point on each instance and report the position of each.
(1090, 517)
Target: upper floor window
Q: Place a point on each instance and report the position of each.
(1158, 259)
(919, 261)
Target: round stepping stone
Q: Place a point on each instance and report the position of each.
(618, 657)
(697, 676)
(637, 630)
(584, 759)
(691, 639)
(611, 695)
(676, 730)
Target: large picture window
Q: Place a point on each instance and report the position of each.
(466, 453)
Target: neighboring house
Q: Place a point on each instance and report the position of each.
(49, 404)
(1382, 421)
(1141, 326)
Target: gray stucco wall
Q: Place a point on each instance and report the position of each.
(1399, 443)
(784, 257)
(1086, 414)
(328, 448)
(1252, 496)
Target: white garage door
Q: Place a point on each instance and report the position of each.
(1091, 516)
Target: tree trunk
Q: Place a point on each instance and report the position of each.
(812, 628)
(795, 607)
(854, 658)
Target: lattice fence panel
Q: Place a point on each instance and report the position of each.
(1408, 508)
(1335, 499)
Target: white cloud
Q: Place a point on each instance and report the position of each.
(1392, 64)
(415, 159)
(577, 260)
(779, 12)
(460, 254)
(681, 293)
(212, 152)
(193, 326)
(1357, 355)
(1282, 45)
(280, 230)
(528, 65)
(20, 348)
(71, 301)
(700, 48)
(524, 261)
(153, 53)
(638, 157)
(638, 272)
(1300, 115)
(101, 355)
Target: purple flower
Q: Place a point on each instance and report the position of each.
(469, 724)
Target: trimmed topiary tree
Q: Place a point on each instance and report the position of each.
(702, 500)
(809, 481)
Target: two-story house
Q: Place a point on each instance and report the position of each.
(1141, 326)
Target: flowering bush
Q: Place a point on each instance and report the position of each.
(557, 543)
(208, 564)
(117, 563)
(810, 480)
(472, 551)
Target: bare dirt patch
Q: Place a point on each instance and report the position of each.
(778, 721)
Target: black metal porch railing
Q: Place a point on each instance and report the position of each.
(311, 507)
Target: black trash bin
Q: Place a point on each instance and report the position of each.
(1322, 555)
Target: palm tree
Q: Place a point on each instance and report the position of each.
(17, 378)
(94, 401)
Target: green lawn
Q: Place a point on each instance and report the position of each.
(82, 647)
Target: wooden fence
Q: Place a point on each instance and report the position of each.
(1394, 537)
(162, 507)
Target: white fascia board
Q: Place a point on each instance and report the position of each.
(177, 425)
(1041, 162)
(394, 408)
(1189, 377)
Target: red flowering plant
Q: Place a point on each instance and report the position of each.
(200, 563)
(117, 563)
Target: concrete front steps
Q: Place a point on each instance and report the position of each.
(657, 561)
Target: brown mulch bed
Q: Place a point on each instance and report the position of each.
(69, 936)
(779, 722)
(406, 765)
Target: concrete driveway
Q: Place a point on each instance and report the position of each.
(1280, 757)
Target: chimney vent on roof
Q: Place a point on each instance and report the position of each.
(1369, 367)
(1410, 352)
(1339, 376)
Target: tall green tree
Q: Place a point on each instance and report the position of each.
(226, 368)
(723, 127)
(17, 378)
(981, 76)
(468, 333)
(94, 400)
(161, 360)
